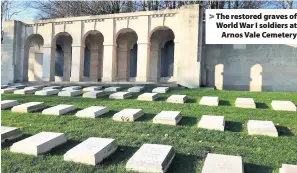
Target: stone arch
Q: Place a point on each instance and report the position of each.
(256, 77)
(126, 51)
(161, 54)
(33, 59)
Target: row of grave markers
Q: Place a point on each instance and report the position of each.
(149, 158)
(210, 122)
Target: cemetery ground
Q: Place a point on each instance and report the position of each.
(261, 154)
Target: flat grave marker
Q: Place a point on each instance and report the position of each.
(92, 112)
(71, 88)
(168, 117)
(120, 95)
(288, 168)
(136, 89)
(112, 89)
(281, 105)
(258, 127)
(28, 107)
(212, 122)
(148, 96)
(160, 90)
(70, 93)
(128, 115)
(177, 99)
(245, 103)
(47, 92)
(58, 110)
(209, 101)
(94, 94)
(8, 133)
(5, 104)
(8, 90)
(92, 88)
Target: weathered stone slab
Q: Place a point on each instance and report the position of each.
(8, 104)
(35, 86)
(71, 88)
(177, 99)
(28, 90)
(136, 89)
(128, 115)
(151, 158)
(94, 94)
(4, 86)
(120, 95)
(52, 87)
(28, 107)
(8, 133)
(8, 90)
(257, 127)
(18, 86)
(287, 168)
(281, 105)
(92, 112)
(91, 151)
(47, 92)
(92, 88)
(212, 122)
(209, 101)
(148, 96)
(218, 163)
(39, 143)
(58, 110)
(70, 93)
(168, 117)
(160, 90)
(112, 89)
(245, 103)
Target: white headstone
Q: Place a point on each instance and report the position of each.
(209, 101)
(151, 158)
(28, 90)
(58, 110)
(287, 168)
(91, 151)
(136, 89)
(112, 89)
(177, 99)
(128, 115)
(245, 103)
(8, 90)
(39, 143)
(148, 96)
(47, 92)
(217, 163)
(35, 86)
(8, 104)
(283, 105)
(28, 107)
(92, 112)
(53, 87)
(19, 86)
(8, 133)
(94, 94)
(257, 127)
(120, 95)
(168, 117)
(160, 90)
(71, 88)
(4, 86)
(92, 88)
(212, 122)
(70, 93)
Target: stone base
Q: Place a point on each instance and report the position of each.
(283, 105)
(245, 103)
(168, 117)
(58, 110)
(28, 107)
(212, 122)
(128, 115)
(148, 96)
(209, 101)
(9, 133)
(160, 90)
(177, 99)
(120, 95)
(257, 127)
(5, 104)
(92, 112)
(70, 93)
(286, 168)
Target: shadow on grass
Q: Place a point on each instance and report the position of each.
(161, 98)
(188, 121)
(146, 117)
(191, 101)
(253, 168)
(122, 154)
(73, 112)
(108, 114)
(224, 103)
(62, 149)
(40, 110)
(261, 106)
(284, 131)
(233, 126)
(7, 143)
(184, 163)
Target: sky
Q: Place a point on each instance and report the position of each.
(28, 14)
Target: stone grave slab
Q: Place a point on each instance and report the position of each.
(218, 163)
(5, 104)
(148, 96)
(136, 89)
(4, 86)
(35, 86)
(47, 92)
(151, 158)
(8, 133)
(8, 90)
(281, 105)
(92, 88)
(212, 122)
(58, 110)
(177, 99)
(258, 127)
(28, 107)
(70, 93)
(209, 101)
(168, 117)
(245, 103)
(71, 88)
(52, 87)
(92, 112)
(91, 151)
(28, 90)
(160, 90)
(39, 143)
(287, 168)
(128, 115)
(94, 94)
(18, 86)
(112, 89)
(120, 95)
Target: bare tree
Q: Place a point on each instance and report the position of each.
(287, 4)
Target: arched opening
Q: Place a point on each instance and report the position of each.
(33, 64)
(61, 59)
(161, 61)
(93, 55)
(126, 55)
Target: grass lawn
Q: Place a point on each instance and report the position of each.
(260, 154)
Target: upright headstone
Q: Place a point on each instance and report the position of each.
(92, 88)
(58, 110)
(120, 95)
(148, 96)
(8, 133)
(28, 107)
(71, 88)
(91, 151)
(47, 92)
(128, 115)
(287, 168)
(209, 101)
(258, 127)
(281, 105)
(177, 99)
(151, 158)
(136, 89)
(92, 112)
(5, 104)
(8, 90)
(94, 94)
(245, 103)
(212, 122)
(160, 90)
(70, 93)
(168, 117)
(112, 89)
(39, 143)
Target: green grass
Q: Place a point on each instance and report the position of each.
(260, 154)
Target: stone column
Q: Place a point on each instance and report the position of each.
(94, 55)
(67, 63)
(109, 63)
(154, 62)
(122, 61)
(38, 66)
(176, 59)
(77, 63)
(142, 62)
(46, 74)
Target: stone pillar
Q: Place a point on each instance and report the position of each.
(100, 62)
(142, 62)
(38, 66)
(122, 61)
(154, 62)
(47, 62)
(109, 63)
(77, 63)
(67, 63)
(94, 55)
(176, 59)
